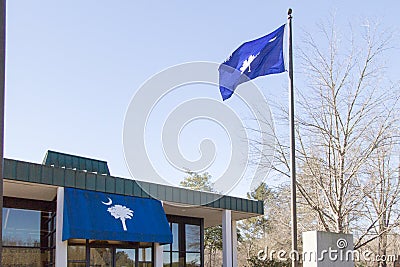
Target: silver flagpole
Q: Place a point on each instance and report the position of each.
(292, 143)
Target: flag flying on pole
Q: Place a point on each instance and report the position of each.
(255, 58)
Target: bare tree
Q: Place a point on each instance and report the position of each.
(382, 191)
(345, 115)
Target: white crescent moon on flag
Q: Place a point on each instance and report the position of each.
(107, 203)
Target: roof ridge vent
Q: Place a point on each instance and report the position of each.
(68, 161)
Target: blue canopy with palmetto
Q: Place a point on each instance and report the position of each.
(100, 216)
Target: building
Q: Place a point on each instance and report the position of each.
(69, 211)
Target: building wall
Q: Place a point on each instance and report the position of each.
(29, 240)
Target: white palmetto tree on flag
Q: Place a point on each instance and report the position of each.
(119, 212)
(122, 213)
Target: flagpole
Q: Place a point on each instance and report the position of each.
(2, 89)
(292, 144)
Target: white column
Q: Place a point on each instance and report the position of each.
(234, 244)
(227, 238)
(61, 247)
(158, 262)
(158, 253)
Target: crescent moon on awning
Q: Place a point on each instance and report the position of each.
(107, 203)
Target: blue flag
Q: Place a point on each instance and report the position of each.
(255, 58)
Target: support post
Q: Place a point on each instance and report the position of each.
(158, 261)
(158, 251)
(234, 244)
(61, 246)
(227, 238)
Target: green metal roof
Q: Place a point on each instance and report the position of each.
(58, 159)
(69, 177)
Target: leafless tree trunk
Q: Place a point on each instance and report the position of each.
(345, 115)
(382, 191)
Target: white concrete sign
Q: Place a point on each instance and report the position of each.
(323, 249)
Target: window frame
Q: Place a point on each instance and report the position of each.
(182, 221)
(47, 223)
(88, 244)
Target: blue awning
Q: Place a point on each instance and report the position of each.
(101, 216)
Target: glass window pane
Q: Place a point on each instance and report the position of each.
(167, 247)
(192, 238)
(175, 235)
(24, 257)
(125, 257)
(192, 259)
(21, 227)
(76, 253)
(100, 257)
(145, 254)
(53, 239)
(166, 259)
(149, 254)
(175, 259)
(54, 222)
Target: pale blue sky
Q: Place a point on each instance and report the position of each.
(73, 66)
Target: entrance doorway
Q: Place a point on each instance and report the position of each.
(104, 254)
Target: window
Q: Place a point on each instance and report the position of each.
(192, 238)
(125, 257)
(145, 257)
(28, 232)
(21, 228)
(192, 241)
(101, 257)
(76, 256)
(186, 249)
(109, 254)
